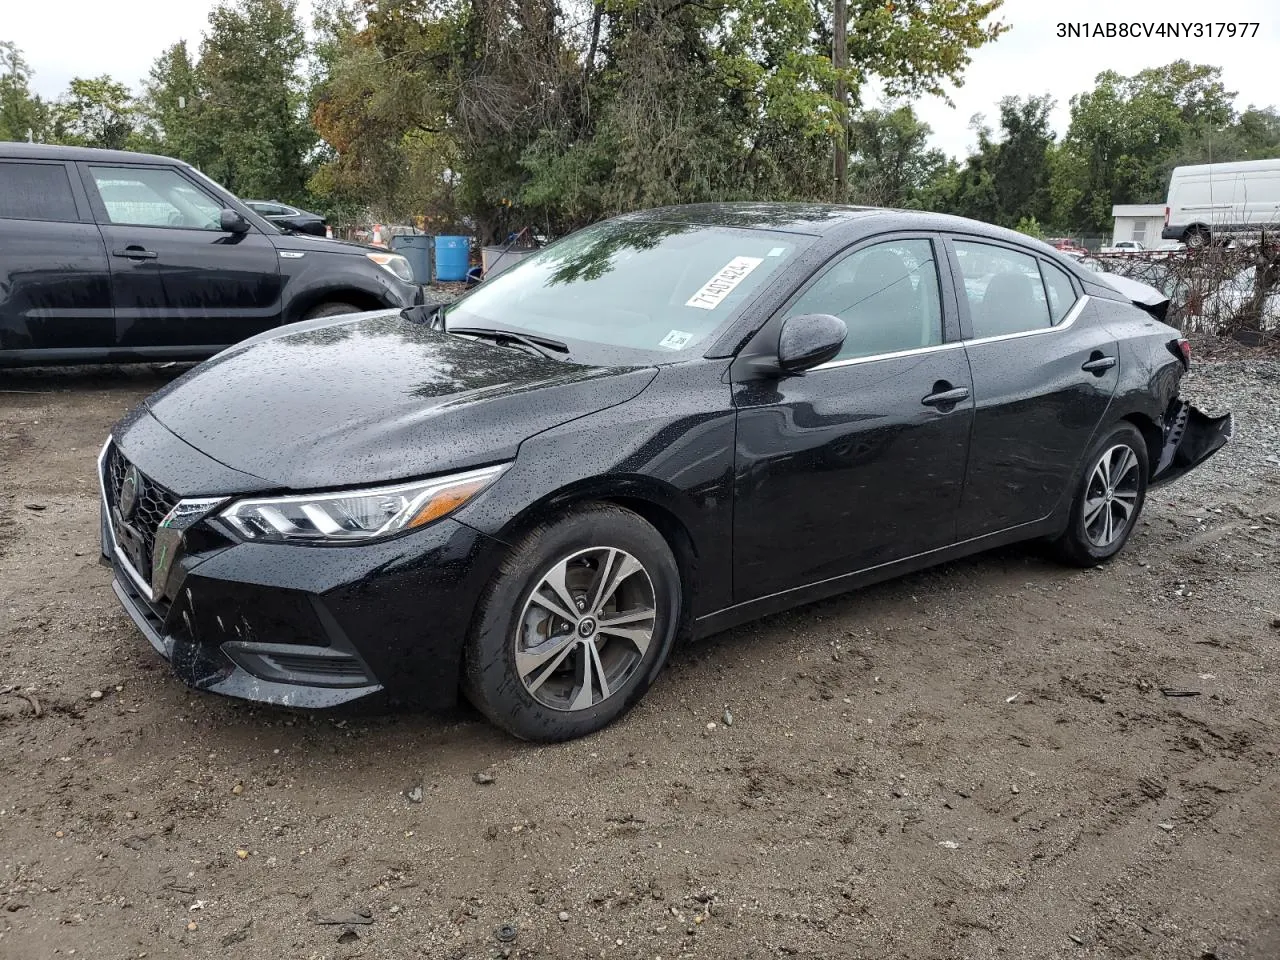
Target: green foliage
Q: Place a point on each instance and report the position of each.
(891, 163)
(97, 112)
(1007, 179)
(1031, 227)
(1128, 132)
(21, 111)
(510, 112)
(251, 100)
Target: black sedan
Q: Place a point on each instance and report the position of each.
(663, 425)
(289, 218)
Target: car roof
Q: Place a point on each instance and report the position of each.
(44, 151)
(835, 220)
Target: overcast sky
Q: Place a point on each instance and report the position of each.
(66, 38)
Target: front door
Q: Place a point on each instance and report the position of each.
(1043, 377)
(178, 278)
(860, 461)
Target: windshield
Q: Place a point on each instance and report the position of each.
(650, 290)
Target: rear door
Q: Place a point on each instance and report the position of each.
(179, 279)
(1043, 377)
(55, 290)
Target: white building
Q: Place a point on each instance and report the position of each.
(1138, 221)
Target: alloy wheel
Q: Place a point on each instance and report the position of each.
(1111, 498)
(585, 628)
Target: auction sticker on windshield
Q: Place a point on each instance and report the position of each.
(723, 283)
(676, 340)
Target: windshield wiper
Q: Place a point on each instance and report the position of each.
(543, 346)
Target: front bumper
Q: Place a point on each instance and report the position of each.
(311, 627)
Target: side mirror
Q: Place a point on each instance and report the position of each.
(809, 340)
(231, 222)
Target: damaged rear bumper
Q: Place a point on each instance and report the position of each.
(1191, 438)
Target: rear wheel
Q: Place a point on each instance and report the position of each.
(575, 625)
(1108, 500)
(335, 308)
(1197, 237)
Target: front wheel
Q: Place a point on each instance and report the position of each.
(575, 625)
(1108, 500)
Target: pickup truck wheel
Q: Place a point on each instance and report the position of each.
(333, 309)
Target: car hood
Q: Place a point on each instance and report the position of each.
(306, 243)
(376, 398)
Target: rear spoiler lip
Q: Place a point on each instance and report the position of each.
(1191, 438)
(1141, 295)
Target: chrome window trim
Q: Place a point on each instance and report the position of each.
(1077, 308)
(832, 364)
(1072, 315)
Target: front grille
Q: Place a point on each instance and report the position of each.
(152, 504)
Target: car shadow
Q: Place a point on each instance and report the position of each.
(142, 377)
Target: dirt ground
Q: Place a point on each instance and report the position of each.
(984, 760)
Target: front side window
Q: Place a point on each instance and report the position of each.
(887, 295)
(1003, 289)
(649, 289)
(154, 197)
(35, 191)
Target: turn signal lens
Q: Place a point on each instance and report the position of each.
(355, 515)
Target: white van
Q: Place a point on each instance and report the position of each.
(1221, 198)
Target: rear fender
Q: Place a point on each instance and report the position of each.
(1191, 438)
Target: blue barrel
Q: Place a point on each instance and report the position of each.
(453, 256)
(416, 248)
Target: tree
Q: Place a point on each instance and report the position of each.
(1006, 180)
(892, 162)
(507, 114)
(1126, 134)
(96, 112)
(251, 114)
(22, 113)
(173, 121)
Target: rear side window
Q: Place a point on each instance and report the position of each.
(1003, 288)
(1061, 294)
(35, 191)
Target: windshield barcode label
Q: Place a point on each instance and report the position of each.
(723, 283)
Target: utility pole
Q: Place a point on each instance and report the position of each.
(840, 60)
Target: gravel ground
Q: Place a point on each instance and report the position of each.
(989, 759)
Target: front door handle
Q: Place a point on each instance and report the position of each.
(1098, 365)
(134, 252)
(945, 396)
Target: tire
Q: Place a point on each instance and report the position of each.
(1088, 540)
(541, 695)
(1196, 238)
(335, 308)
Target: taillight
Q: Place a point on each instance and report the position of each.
(1181, 348)
(1166, 216)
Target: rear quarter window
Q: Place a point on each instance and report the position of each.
(35, 191)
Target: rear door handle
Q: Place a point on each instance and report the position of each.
(946, 398)
(135, 253)
(1098, 365)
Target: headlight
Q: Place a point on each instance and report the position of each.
(393, 263)
(355, 515)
